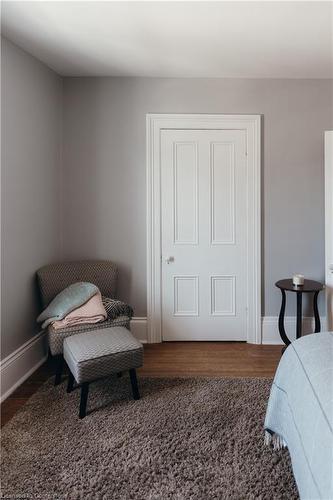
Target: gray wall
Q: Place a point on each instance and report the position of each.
(105, 183)
(31, 98)
(92, 202)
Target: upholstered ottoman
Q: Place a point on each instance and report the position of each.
(97, 354)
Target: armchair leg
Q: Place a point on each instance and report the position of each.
(134, 383)
(84, 399)
(59, 368)
(70, 384)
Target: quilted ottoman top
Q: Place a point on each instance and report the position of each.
(104, 342)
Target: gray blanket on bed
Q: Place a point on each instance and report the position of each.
(300, 413)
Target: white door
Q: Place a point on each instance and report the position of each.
(204, 234)
(329, 226)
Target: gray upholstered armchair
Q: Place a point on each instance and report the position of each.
(54, 278)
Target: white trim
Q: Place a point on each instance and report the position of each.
(139, 328)
(328, 226)
(249, 123)
(20, 364)
(270, 330)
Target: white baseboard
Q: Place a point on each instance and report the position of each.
(269, 334)
(139, 329)
(270, 330)
(20, 364)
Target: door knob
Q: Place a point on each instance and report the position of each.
(170, 259)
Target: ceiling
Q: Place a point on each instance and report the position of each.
(176, 39)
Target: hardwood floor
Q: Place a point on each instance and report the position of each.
(225, 359)
(174, 359)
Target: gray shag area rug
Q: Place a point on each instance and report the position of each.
(185, 439)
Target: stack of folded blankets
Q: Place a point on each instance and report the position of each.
(79, 304)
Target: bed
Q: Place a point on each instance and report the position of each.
(300, 413)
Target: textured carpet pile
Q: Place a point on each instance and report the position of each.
(185, 439)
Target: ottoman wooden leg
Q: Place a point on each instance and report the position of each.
(70, 384)
(134, 383)
(84, 399)
(59, 368)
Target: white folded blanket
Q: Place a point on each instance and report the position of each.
(92, 311)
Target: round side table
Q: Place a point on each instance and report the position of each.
(309, 286)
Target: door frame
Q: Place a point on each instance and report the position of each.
(328, 225)
(251, 124)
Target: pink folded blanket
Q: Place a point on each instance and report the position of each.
(93, 311)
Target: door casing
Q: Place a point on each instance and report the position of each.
(251, 124)
(328, 227)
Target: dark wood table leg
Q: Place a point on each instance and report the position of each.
(299, 315)
(316, 312)
(281, 319)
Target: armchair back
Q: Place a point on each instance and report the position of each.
(53, 278)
